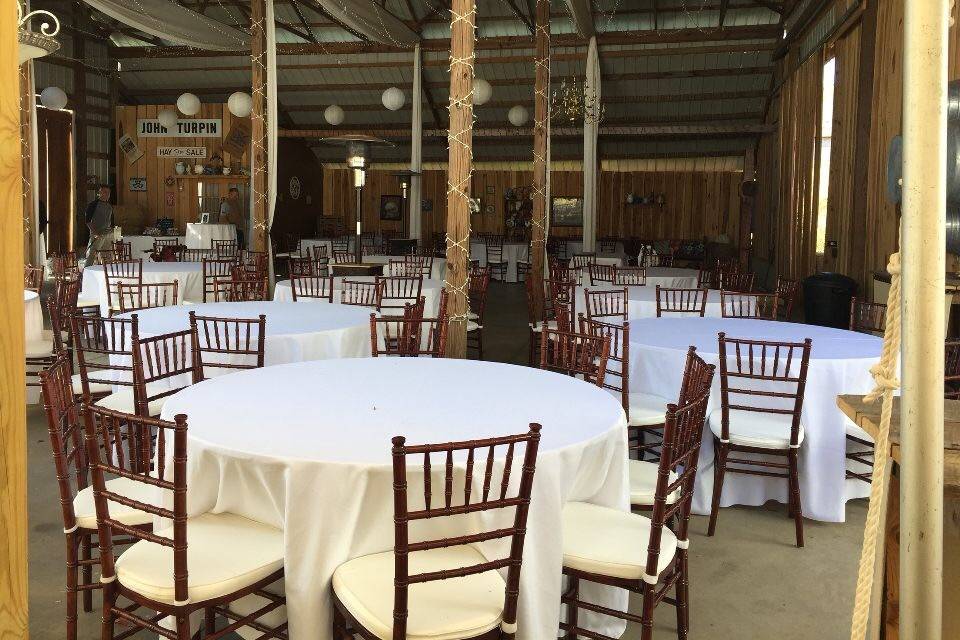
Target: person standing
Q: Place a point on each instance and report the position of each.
(99, 217)
(230, 213)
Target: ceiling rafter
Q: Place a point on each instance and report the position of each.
(520, 14)
(318, 8)
(303, 20)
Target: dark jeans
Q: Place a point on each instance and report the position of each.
(240, 243)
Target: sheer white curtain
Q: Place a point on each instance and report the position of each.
(170, 21)
(591, 88)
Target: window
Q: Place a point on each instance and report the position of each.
(826, 132)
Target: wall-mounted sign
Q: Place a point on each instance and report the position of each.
(181, 152)
(130, 149)
(138, 184)
(171, 198)
(237, 140)
(295, 188)
(211, 128)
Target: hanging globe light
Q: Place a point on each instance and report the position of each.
(518, 115)
(188, 104)
(53, 98)
(333, 115)
(168, 118)
(240, 104)
(393, 98)
(482, 91)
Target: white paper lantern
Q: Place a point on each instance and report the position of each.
(53, 98)
(333, 115)
(482, 91)
(240, 104)
(168, 118)
(518, 115)
(188, 104)
(393, 98)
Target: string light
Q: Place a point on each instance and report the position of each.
(259, 150)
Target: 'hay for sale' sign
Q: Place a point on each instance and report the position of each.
(181, 152)
(211, 128)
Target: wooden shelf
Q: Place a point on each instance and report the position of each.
(214, 177)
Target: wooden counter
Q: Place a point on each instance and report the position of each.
(867, 416)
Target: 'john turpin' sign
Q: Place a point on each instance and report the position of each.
(183, 129)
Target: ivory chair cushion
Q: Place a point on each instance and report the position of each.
(643, 483)
(756, 429)
(441, 610)
(122, 400)
(225, 553)
(538, 327)
(851, 429)
(611, 542)
(87, 302)
(41, 348)
(647, 409)
(86, 512)
(95, 387)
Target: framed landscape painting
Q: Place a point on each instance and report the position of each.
(566, 211)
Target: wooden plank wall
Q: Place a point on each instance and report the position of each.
(134, 210)
(697, 204)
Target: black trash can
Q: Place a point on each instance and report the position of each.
(826, 299)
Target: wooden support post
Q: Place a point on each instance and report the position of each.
(748, 191)
(80, 126)
(541, 120)
(258, 127)
(26, 159)
(459, 168)
(13, 428)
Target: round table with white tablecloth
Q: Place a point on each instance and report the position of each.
(642, 302)
(430, 291)
(672, 277)
(201, 235)
(140, 246)
(840, 363)
(32, 316)
(513, 252)
(306, 447)
(307, 244)
(189, 276)
(438, 267)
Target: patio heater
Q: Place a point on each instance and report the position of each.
(403, 245)
(358, 158)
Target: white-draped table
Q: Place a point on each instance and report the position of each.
(306, 447)
(431, 292)
(142, 245)
(189, 276)
(438, 268)
(201, 235)
(307, 244)
(642, 301)
(840, 363)
(672, 277)
(513, 252)
(32, 316)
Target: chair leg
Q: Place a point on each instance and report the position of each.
(719, 461)
(683, 598)
(649, 602)
(479, 344)
(183, 628)
(572, 610)
(339, 626)
(85, 554)
(209, 621)
(71, 590)
(109, 601)
(795, 495)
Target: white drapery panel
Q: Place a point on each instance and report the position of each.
(591, 89)
(271, 32)
(171, 21)
(416, 146)
(371, 20)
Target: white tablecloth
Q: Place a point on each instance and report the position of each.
(512, 253)
(189, 275)
(839, 363)
(307, 244)
(672, 277)
(642, 302)
(576, 246)
(32, 316)
(438, 269)
(201, 236)
(431, 292)
(306, 447)
(140, 246)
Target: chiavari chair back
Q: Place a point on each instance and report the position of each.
(423, 262)
(123, 250)
(120, 272)
(241, 290)
(302, 267)
(162, 366)
(584, 260)
(363, 293)
(951, 370)
(160, 243)
(787, 290)
(408, 336)
(736, 281)
(760, 306)
(341, 257)
(340, 244)
(104, 350)
(134, 297)
(608, 245)
(214, 270)
(33, 278)
(561, 271)
(64, 265)
(104, 256)
(606, 303)
(562, 301)
(226, 344)
(320, 253)
(685, 301)
(651, 258)
(708, 279)
(255, 264)
(225, 248)
(601, 273)
(629, 276)
(194, 255)
(311, 287)
(616, 378)
(493, 247)
(477, 300)
(867, 317)
(575, 354)
(403, 268)
(397, 291)
(471, 570)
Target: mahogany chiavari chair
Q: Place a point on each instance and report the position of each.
(298, 267)
(226, 343)
(867, 317)
(120, 272)
(40, 354)
(493, 247)
(575, 354)
(583, 260)
(363, 293)
(617, 376)
(477, 299)
(194, 255)
(423, 262)
(225, 248)
(253, 264)
(685, 301)
(606, 303)
(311, 287)
(123, 250)
(650, 258)
(403, 268)
(65, 265)
(229, 556)
(535, 322)
(561, 299)
(340, 244)
(65, 433)
(642, 554)
(601, 273)
(242, 290)
(408, 336)
(736, 281)
(397, 291)
(162, 365)
(215, 269)
(342, 257)
(951, 370)
(708, 279)
(416, 575)
(787, 290)
(760, 306)
(104, 350)
(160, 243)
(562, 272)
(33, 278)
(608, 245)
(134, 297)
(292, 247)
(629, 276)
(320, 253)
(762, 386)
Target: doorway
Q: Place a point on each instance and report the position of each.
(55, 180)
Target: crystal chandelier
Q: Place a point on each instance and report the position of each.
(36, 44)
(572, 102)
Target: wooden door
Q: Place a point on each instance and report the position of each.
(55, 179)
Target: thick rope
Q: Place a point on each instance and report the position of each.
(885, 375)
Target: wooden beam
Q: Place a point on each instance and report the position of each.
(519, 14)
(258, 232)
(303, 21)
(13, 421)
(772, 6)
(541, 119)
(462, 40)
(723, 11)
(501, 133)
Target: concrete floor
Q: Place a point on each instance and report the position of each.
(749, 582)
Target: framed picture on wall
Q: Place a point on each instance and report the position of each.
(426, 204)
(391, 207)
(566, 211)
